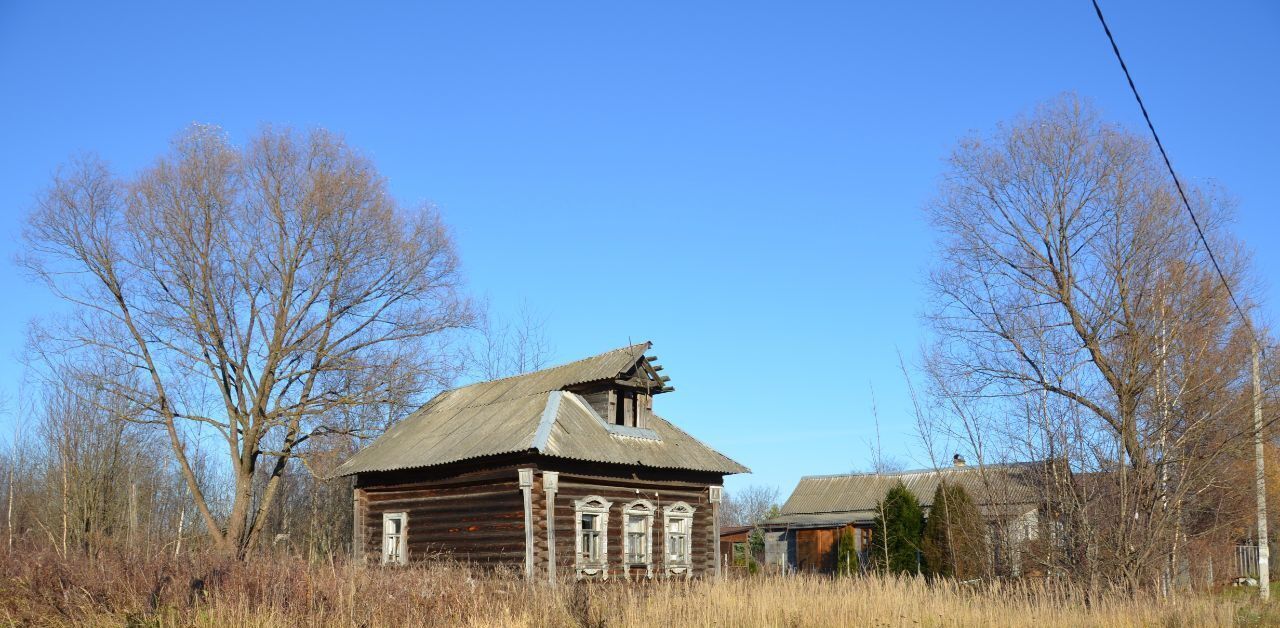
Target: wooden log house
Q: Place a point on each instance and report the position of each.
(564, 472)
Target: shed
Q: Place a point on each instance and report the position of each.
(805, 535)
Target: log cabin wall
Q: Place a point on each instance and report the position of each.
(475, 513)
(475, 516)
(620, 491)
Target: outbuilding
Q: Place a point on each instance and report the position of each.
(806, 534)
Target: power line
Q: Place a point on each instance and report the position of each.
(1176, 182)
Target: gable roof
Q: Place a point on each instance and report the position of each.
(821, 500)
(533, 413)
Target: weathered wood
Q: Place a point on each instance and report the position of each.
(551, 485)
(481, 515)
(526, 489)
(618, 490)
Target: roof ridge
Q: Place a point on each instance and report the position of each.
(905, 472)
(648, 344)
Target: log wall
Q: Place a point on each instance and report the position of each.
(475, 513)
(476, 517)
(620, 491)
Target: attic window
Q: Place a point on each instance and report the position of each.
(631, 408)
(625, 410)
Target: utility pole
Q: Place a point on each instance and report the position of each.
(1260, 478)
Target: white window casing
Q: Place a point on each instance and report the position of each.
(395, 546)
(591, 536)
(677, 526)
(637, 536)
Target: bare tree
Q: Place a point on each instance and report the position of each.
(1075, 312)
(267, 294)
(749, 506)
(504, 348)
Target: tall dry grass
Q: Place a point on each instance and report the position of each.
(40, 588)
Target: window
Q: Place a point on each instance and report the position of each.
(740, 554)
(591, 541)
(864, 539)
(393, 538)
(678, 523)
(678, 541)
(591, 538)
(624, 412)
(637, 544)
(637, 536)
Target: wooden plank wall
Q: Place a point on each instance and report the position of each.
(816, 549)
(477, 517)
(621, 491)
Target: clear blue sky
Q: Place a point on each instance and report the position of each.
(761, 168)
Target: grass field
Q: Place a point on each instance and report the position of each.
(43, 589)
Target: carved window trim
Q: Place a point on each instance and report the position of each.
(599, 506)
(643, 509)
(681, 514)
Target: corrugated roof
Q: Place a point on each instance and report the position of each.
(580, 434)
(835, 499)
(531, 412)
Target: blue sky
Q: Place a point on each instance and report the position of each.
(739, 182)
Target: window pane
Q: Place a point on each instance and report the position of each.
(591, 545)
(678, 540)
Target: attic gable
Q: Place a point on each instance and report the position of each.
(542, 412)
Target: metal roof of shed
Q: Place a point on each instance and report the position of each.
(532, 412)
(822, 500)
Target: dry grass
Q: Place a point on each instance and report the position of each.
(113, 590)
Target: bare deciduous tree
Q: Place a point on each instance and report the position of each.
(1078, 320)
(748, 506)
(508, 347)
(269, 293)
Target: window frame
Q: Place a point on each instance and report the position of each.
(683, 513)
(591, 505)
(401, 556)
(644, 509)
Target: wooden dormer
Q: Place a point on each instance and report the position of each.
(627, 399)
